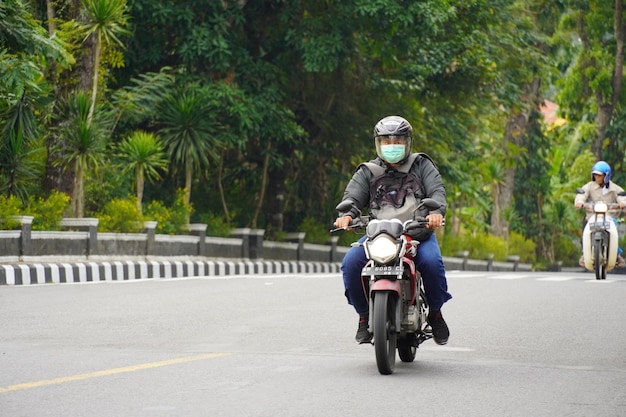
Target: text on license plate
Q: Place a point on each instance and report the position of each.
(382, 270)
(602, 225)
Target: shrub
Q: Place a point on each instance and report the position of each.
(518, 245)
(47, 213)
(567, 251)
(315, 232)
(479, 246)
(9, 206)
(216, 225)
(173, 220)
(121, 216)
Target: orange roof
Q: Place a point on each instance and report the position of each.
(550, 116)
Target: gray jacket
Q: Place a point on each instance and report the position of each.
(358, 189)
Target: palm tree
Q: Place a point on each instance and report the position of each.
(189, 129)
(143, 153)
(106, 20)
(19, 146)
(86, 138)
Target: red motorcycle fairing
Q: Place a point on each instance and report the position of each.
(386, 285)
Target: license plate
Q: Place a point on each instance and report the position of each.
(382, 270)
(600, 225)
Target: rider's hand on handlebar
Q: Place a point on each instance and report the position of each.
(343, 222)
(435, 220)
(622, 205)
(578, 205)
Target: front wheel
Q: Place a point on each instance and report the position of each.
(385, 336)
(599, 258)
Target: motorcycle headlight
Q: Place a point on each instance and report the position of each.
(383, 249)
(600, 207)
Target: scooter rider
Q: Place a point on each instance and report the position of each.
(393, 136)
(600, 188)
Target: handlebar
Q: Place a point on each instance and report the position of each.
(362, 222)
(612, 207)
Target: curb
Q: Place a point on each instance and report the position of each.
(58, 273)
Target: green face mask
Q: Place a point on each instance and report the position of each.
(392, 153)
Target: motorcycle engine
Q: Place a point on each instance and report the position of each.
(411, 319)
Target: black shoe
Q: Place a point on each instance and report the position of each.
(362, 334)
(439, 328)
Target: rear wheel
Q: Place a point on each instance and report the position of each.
(406, 351)
(385, 336)
(599, 259)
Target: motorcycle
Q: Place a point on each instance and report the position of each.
(397, 301)
(600, 239)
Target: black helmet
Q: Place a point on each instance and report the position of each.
(393, 126)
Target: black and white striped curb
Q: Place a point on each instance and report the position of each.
(55, 273)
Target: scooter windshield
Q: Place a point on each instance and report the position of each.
(392, 227)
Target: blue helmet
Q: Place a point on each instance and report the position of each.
(602, 167)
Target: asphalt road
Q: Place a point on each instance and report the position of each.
(522, 344)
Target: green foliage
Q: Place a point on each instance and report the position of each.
(482, 245)
(172, 220)
(567, 250)
(120, 216)
(24, 47)
(142, 153)
(216, 225)
(315, 232)
(479, 246)
(107, 19)
(269, 106)
(86, 137)
(9, 206)
(48, 212)
(524, 248)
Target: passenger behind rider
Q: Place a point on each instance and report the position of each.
(600, 188)
(393, 136)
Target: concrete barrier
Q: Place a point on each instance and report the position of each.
(75, 272)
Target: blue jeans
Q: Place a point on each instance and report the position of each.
(428, 262)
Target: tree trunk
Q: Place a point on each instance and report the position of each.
(275, 207)
(606, 105)
(94, 81)
(259, 205)
(140, 185)
(188, 179)
(77, 198)
(220, 186)
(513, 134)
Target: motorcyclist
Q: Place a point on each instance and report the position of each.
(393, 136)
(600, 188)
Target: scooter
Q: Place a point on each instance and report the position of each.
(397, 301)
(600, 239)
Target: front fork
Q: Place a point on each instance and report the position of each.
(394, 288)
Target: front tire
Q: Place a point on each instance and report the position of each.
(599, 260)
(385, 336)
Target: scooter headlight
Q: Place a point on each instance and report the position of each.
(600, 207)
(383, 249)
